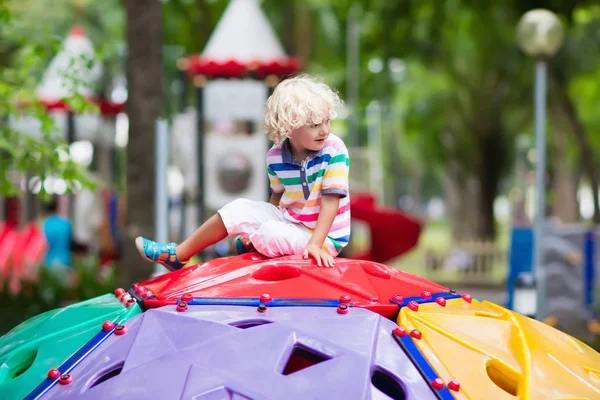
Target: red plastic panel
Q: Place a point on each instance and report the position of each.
(370, 285)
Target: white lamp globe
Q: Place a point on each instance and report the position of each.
(540, 33)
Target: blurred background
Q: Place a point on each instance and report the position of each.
(472, 127)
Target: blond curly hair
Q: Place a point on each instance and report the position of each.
(296, 102)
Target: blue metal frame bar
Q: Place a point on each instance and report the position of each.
(254, 302)
(421, 363)
(74, 360)
(423, 300)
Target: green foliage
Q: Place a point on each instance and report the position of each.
(53, 289)
(26, 47)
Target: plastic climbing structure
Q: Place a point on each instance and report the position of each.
(247, 327)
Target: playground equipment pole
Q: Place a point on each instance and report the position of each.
(540, 35)
(540, 184)
(161, 194)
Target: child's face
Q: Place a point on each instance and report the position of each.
(311, 136)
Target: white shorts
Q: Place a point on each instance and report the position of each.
(270, 233)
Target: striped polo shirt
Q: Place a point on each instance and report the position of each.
(303, 184)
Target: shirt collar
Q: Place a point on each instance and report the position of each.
(287, 156)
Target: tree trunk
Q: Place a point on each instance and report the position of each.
(487, 192)
(288, 26)
(585, 148)
(564, 205)
(492, 155)
(460, 194)
(304, 32)
(204, 23)
(144, 65)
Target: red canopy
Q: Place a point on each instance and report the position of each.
(212, 68)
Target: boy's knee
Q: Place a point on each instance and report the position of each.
(275, 239)
(268, 231)
(271, 226)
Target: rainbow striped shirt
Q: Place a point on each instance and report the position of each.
(303, 184)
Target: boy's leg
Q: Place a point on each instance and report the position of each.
(280, 238)
(239, 216)
(209, 233)
(174, 256)
(243, 216)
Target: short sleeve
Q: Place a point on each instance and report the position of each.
(335, 178)
(274, 181)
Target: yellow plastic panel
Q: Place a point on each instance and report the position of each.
(495, 353)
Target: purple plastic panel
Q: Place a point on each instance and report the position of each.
(235, 352)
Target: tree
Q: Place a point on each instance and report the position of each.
(144, 71)
(24, 53)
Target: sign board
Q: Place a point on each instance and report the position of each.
(235, 99)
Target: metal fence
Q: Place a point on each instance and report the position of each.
(468, 263)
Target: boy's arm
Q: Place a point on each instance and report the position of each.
(329, 208)
(275, 199)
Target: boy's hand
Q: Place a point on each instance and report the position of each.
(323, 258)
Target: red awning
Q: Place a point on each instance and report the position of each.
(211, 68)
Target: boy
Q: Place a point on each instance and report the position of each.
(309, 209)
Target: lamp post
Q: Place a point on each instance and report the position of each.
(540, 35)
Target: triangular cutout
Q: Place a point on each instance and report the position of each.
(302, 358)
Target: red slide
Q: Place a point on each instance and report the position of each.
(393, 233)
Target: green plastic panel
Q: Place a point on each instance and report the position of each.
(46, 341)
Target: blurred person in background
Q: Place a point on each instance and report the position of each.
(58, 231)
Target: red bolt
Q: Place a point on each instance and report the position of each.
(108, 325)
(119, 292)
(136, 285)
(400, 331)
(345, 299)
(182, 306)
(413, 305)
(416, 334)
(467, 297)
(454, 385)
(140, 290)
(398, 299)
(145, 294)
(441, 301)
(265, 298)
(342, 309)
(65, 379)
(120, 330)
(437, 383)
(426, 294)
(187, 297)
(53, 373)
